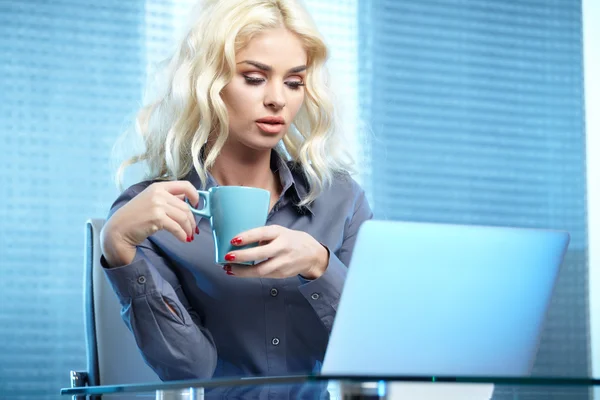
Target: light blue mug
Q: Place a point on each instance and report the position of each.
(232, 210)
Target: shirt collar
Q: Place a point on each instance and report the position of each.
(293, 181)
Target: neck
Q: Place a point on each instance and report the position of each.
(237, 166)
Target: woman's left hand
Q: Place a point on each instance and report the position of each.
(286, 253)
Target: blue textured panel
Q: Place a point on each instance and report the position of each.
(476, 108)
(71, 73)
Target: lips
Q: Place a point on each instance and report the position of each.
(272, 125)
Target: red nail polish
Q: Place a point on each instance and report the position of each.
(229, 273)
(188, 239)
(236, 240)
(197, 231)
(229, 257)
(227, 267)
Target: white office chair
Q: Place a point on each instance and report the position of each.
(112, 354)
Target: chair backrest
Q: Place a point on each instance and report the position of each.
(112, 354)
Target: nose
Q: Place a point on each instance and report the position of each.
(274, 96)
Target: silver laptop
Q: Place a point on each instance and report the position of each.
(447, 300)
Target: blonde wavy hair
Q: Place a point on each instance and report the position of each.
(188, 109)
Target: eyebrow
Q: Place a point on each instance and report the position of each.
(267, 68)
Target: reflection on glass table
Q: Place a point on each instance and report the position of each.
(349, 387)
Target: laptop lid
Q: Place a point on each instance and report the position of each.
(437, 299)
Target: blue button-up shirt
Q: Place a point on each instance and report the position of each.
(226, 326)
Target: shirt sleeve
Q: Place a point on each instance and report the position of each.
(324, 293)
(175, 345)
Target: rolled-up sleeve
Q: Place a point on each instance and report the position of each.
(174, 344)
(324, 293)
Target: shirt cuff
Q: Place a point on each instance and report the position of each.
(133, 280)
(324, 292)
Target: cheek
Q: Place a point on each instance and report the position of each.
(296, 102)
(241, 100)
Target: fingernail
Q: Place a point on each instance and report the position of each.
(227, 268)
(188, 239)
(229, 273)
(197, 231)
(236, 240)
(229, 257)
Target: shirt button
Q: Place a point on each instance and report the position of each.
(275, 341)
(141, 280)
(274, 292)
(314, 296)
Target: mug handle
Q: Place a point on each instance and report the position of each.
(204, 211)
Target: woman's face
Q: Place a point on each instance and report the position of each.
(267, 89)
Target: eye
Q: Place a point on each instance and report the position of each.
(252, 80)
(294, 85)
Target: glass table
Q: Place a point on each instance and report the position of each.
(346, 388)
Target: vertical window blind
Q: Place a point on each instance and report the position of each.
(73, 75)
(70, 71)
(477, 118)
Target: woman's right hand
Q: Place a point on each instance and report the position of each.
(161, 206)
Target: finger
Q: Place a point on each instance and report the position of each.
(182, 198)
(241, 271)
(180, 218)
(182, 188)
(184, 207)
(255, 253)
(265, 269)
(246, 270)
(263, 233)
(174, 228)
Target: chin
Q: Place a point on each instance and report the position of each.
(263, 142)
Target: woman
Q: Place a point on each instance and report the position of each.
(244, 103)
